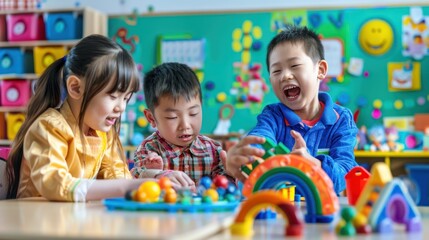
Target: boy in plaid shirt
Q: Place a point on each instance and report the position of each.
(176, 150)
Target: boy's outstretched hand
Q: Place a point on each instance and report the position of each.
(300, 148)
(242, 153)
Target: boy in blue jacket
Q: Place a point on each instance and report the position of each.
(305, 120)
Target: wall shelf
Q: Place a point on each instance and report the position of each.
(93, 22)
(19, 76)
(388, 155)
(41, 11)
(13, 109)
(31, 44)
(4, 142)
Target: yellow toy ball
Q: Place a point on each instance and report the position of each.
(212, 193)
(149, 192)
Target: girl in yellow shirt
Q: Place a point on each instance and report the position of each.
(68, 149)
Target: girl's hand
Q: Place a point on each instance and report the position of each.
(242, 153)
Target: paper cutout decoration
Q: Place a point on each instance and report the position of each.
(376, 114)
(415, 34)
(245, 39)
(398, 104)
(315, 20)
(337, 21)
(294, 17)
(355, 67)
(376, 37)
(404, 76)
(334, 56)
(121, 36)
(226, 112)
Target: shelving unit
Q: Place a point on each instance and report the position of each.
(93, 22)
(395, 160)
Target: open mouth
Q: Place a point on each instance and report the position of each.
(185, 137)
(292, 92)
(111, 121)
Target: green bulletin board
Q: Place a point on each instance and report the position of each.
(367, 92)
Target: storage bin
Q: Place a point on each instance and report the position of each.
(13, 124)
(45, 56)
(419, 174)
(14, 92)
(63, 26)
(25, 27)
(12, 61)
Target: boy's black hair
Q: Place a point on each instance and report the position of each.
(296, 34)
(170, 79)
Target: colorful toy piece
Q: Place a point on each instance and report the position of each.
(395, 205)
(385, 200)
(311, 181)
(380, 176)
(154, 196)
(243, 222)
(356, 179)
(347, 214)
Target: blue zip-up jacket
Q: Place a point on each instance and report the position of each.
(331, 139)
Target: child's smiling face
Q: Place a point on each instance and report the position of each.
(179, 122)
(295, 77)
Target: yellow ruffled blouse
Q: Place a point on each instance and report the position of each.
(55, 164)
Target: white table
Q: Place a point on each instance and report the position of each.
(40, 219)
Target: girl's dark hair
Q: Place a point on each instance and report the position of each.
(170, 79)
(296, 34)
(97, 60)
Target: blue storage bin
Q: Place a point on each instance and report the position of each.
(63, 26)
(11, 61)
(419, 174)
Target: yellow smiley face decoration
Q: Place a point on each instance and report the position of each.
(376, 37)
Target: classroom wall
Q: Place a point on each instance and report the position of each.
(368, 92)
(174, 6)
(215, 22)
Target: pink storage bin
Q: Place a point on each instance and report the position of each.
(25, 27)
(14, 92)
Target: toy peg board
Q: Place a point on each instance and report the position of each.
(197, 206)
